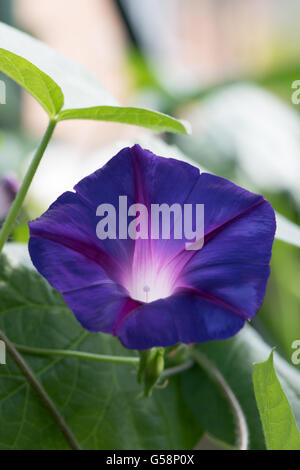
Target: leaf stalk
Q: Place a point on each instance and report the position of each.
(19, 199)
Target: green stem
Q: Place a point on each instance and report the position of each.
(41, 392)
(99, 357)
(177, 369)
(78, 354)
(219, 380)
(18, 202)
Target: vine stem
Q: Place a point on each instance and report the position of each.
(177, 369)
(19, 199)
(196, 356)
(78, 354)
(100, 357)
(218, 379)
(42, 394)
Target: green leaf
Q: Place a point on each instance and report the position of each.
(128, 115)
(36, 82)
(234, 358)
(97, 400)
(280, 429)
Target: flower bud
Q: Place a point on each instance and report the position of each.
(153, 370)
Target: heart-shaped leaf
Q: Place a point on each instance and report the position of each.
(97, 400)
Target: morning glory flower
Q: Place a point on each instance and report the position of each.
(156, 290)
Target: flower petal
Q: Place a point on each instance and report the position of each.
(71, 223)
(97, 302)
(223, 284)
(184, 317)
(144, 178)
(101, 307)
(233, 264)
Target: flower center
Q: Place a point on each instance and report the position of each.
(150, 283)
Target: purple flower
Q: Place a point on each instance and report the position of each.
(8, 191)
(155, 292)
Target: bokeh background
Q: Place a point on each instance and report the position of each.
(227, 66)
